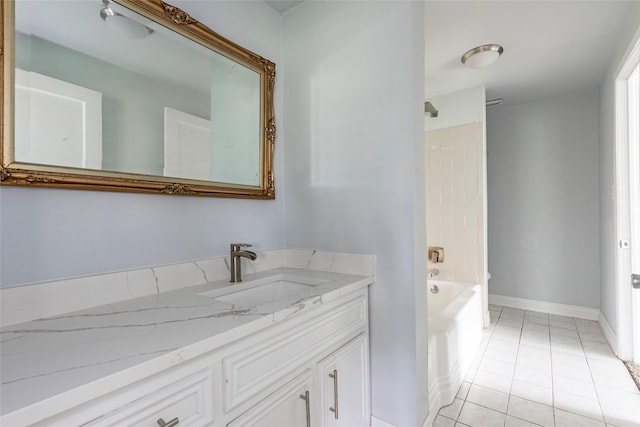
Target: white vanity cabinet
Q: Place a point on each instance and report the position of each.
(310, 399)
(282, 380)
(343, 379)
(281, 375)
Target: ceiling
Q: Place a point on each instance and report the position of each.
(282, 6)
(550, 47)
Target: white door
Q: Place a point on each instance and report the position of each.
(57, 123)
(344, 394)
(634, 203)
(187, 145)
(627, 204)
(288, 406)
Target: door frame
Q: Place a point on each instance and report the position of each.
(622, 206)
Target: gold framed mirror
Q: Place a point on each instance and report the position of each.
(153, 101)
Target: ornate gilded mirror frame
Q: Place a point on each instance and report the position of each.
(24, 174)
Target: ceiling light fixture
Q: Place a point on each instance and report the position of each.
(482, 56)
(123, 25)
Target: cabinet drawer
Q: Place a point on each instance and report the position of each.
(259, 367)
(189, 400)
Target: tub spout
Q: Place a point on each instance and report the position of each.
(433, 272)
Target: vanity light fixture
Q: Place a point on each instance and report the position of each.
(482, 56)
(123, 25)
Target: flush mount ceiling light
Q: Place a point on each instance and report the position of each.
(123, 25)
(482, 56)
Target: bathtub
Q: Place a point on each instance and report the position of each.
(455, 333)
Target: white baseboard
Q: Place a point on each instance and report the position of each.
(609, 334)
(377, 422)
(546, 307)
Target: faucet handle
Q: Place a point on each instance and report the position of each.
(237, 246)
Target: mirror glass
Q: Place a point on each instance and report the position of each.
(100, 87)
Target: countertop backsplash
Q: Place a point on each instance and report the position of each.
(36, 301)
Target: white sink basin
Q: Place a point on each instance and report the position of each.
(264, 290)
(265, 294)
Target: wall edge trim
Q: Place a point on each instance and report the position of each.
(377, 422)
(546, 307)
(609, 333)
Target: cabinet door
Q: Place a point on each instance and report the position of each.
(289, 406)
(344, 383)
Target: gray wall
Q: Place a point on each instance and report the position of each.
(354, 85)
(52, 234)
(543, 196)
(608, 239)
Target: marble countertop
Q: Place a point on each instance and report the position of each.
(87, 353)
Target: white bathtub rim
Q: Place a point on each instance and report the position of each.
(446, 322)
(446, 377)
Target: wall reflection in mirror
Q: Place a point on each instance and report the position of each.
(98, 86)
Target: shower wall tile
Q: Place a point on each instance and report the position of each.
(454, 196)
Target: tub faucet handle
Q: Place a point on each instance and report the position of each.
(436, 254)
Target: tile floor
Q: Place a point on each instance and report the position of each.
(537, 369)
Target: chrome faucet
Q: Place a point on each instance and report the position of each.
(433, 272)
(236, 254)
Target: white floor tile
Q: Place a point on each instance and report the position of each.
(532, 392)
(570, 385)
(564, 323)
(497, 367)
(517, 422)
(514, 313)
(503, 346)
(577, 405)
(502, 355)
(452, 411)
(510, 323)
(535, 375)
(493, 381)
(506, 333)
(535, 327)
(488, 398)
(533, 355)
(543, 370)
(586, 324)
(441, 421)
(597, 350)
(471, 374)
(572, 366)
(534, 340)
(536, 321)
(621, 408)
(567, 419)
(531, 363)
(493, 317)
(611, 374)
(597, 336)
(463, 390)
(564, 344)
(479, 416)
(572, 333)
(531, 411)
